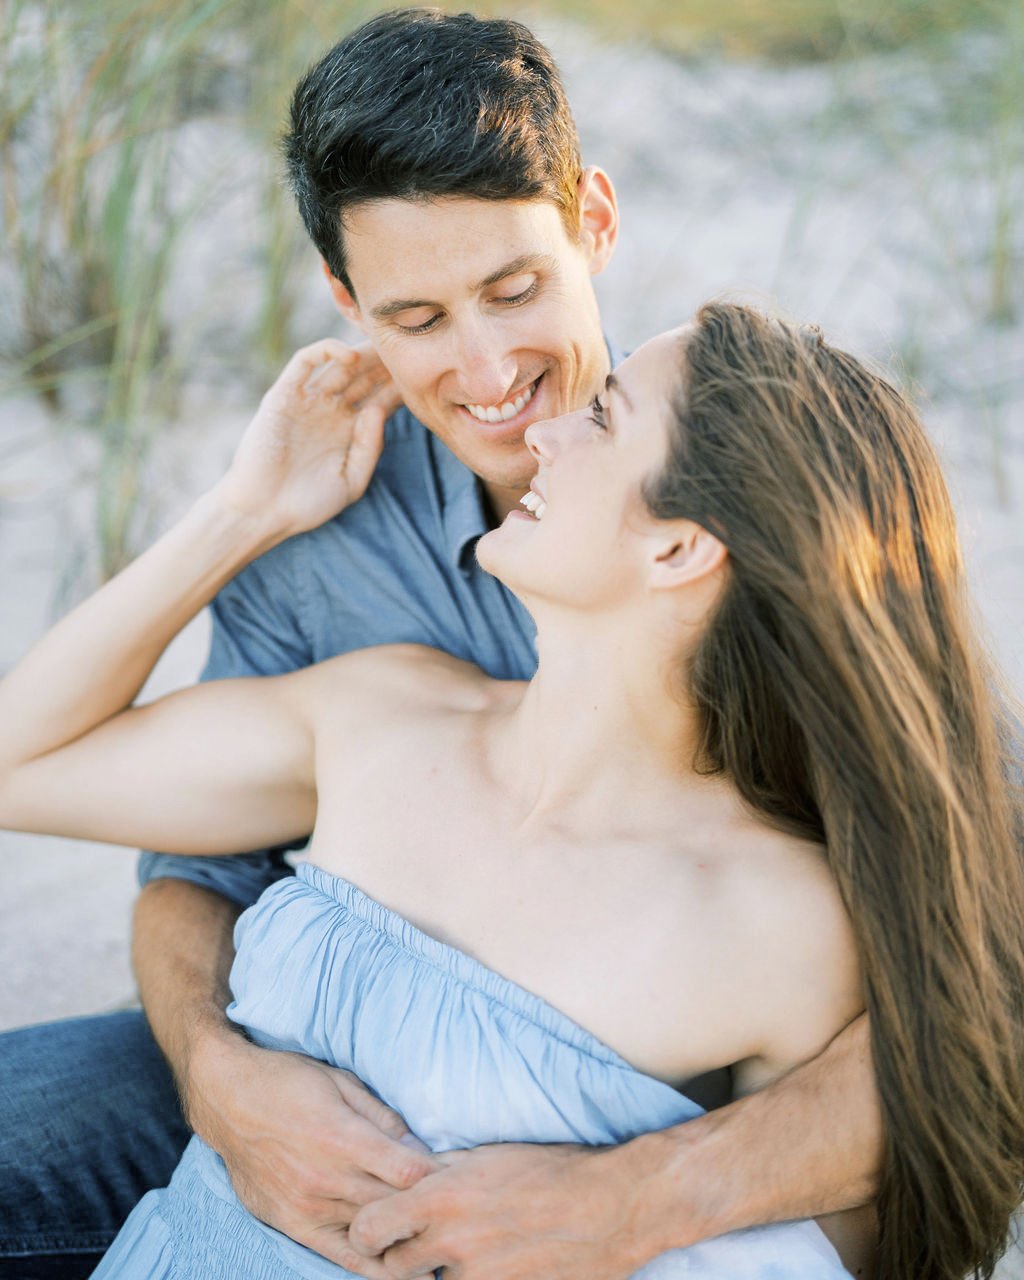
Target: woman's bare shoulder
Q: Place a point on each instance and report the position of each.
(803, 949)
(404, 680)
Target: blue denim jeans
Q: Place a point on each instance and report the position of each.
(89, 1121)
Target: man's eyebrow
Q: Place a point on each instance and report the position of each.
(525, 262)
(611, 383)
(397, 305)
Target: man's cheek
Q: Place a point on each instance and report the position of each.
(414, 379)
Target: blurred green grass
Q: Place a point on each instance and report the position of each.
(787, 30)
(95, 93)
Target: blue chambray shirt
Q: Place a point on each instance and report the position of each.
(397, 566)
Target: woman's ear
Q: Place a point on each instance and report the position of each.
(689, 556)
(599, 218)
(343, 298)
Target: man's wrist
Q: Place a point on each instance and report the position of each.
(182, 952)
(673, 1207)
(216, 1049)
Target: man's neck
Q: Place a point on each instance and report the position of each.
(498, 501)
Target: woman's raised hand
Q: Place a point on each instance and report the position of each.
(311, 448)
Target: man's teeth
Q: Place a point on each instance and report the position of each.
(535, 503)
(502, 412)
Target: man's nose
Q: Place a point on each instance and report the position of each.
(487, 369)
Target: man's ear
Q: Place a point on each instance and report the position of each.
(599, 217)
(688, 556)
(343, 298)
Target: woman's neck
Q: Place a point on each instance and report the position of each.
(599, 733)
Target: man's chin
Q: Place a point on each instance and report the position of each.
(509, 481)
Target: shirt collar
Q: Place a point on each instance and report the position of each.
(463, 509)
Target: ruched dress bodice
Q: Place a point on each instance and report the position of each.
(463, 1054)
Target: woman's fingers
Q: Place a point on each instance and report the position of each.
(363, 383)
(329, 367)
(364, 449)
(330, 374)
(309, 365)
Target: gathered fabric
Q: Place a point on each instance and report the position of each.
(463, 1054)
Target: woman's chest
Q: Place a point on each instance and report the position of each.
(624, 935)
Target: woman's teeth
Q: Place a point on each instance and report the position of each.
(503, 412)
(534, 503)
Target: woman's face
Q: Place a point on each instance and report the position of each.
(580, 536)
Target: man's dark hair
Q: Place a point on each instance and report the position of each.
(417, 104)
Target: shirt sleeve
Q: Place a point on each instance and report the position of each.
(256, 630)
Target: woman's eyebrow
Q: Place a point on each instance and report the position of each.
(611, 383)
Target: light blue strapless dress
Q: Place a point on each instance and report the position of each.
(466, 1056)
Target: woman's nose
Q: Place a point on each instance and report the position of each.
(547, 437)
(539, 440)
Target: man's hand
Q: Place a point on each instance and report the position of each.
(305, 1144)
(809, 1144)
(512, 1212)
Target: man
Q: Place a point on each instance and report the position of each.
(437, 170)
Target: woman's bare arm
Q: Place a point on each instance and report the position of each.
(224, 766)
(216, 768)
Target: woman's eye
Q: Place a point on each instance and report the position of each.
(597, 414)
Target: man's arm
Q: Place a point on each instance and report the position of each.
(182, 954)
(305, 1144)
(809, 1144)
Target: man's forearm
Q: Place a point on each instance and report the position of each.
(182, 952)
(808, 1145)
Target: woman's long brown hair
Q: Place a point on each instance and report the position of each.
(842, 689)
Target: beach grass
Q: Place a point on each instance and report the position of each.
(93, 97)
(786, 30)
(90, 104)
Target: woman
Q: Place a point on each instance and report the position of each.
(759, 749)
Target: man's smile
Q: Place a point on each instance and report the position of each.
(508, 409)
(511, 414)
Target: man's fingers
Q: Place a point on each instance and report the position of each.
(366, 1104)
(334, 1245)
(383, 1224)
(381, 1157)
(416, 1144)
(453, 1157)
(415, 1258)
(363, 1188)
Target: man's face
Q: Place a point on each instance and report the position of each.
(485, 316)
